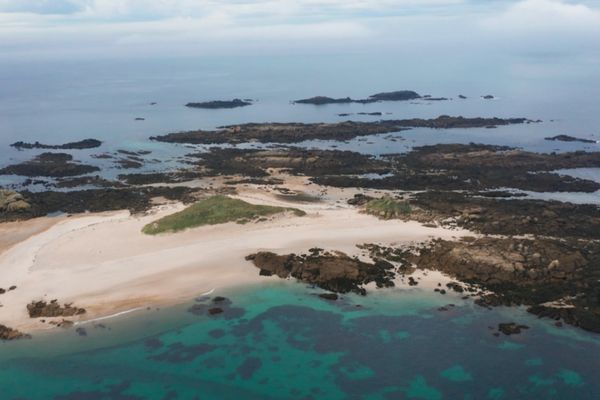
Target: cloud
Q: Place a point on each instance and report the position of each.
(545, 16)
(77, 28)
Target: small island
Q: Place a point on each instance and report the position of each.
(217, 104)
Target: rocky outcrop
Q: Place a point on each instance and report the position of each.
(37, 309)
(80, 145)
(555, 278)
(49, 165)
(7, 333)
(335, 272)
(12, 202)
(216, 104)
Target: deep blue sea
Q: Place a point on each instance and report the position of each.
(279, 340)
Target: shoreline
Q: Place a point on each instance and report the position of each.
(103, 263)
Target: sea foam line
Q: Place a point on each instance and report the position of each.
(108, 316)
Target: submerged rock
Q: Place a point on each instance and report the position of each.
(511, 328)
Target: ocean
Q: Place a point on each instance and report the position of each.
(280, 340)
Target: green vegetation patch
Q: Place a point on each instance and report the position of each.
(214, 210)
(388, 208)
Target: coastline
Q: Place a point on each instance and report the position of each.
(103, 263)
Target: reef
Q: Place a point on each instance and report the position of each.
(299, 132)
(475, 167)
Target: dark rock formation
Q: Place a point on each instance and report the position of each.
(334, 272)
(83, 144)
(38, 309)
(254, 163)
(298, 132)
(220, 104)
(567, 138)
(49, 164)
(476, 167)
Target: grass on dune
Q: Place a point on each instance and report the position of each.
(214, 210)
(387, 208)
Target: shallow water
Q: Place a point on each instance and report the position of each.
(279, 340)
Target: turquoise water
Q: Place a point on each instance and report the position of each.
(281, 341)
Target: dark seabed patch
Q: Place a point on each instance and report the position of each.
(289, 343)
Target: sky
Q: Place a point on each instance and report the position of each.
(56, 29)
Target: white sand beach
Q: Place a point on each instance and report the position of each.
(104, 263)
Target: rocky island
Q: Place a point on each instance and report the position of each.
(80, 145)
(400, 95)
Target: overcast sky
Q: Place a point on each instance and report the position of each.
(37, 29)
